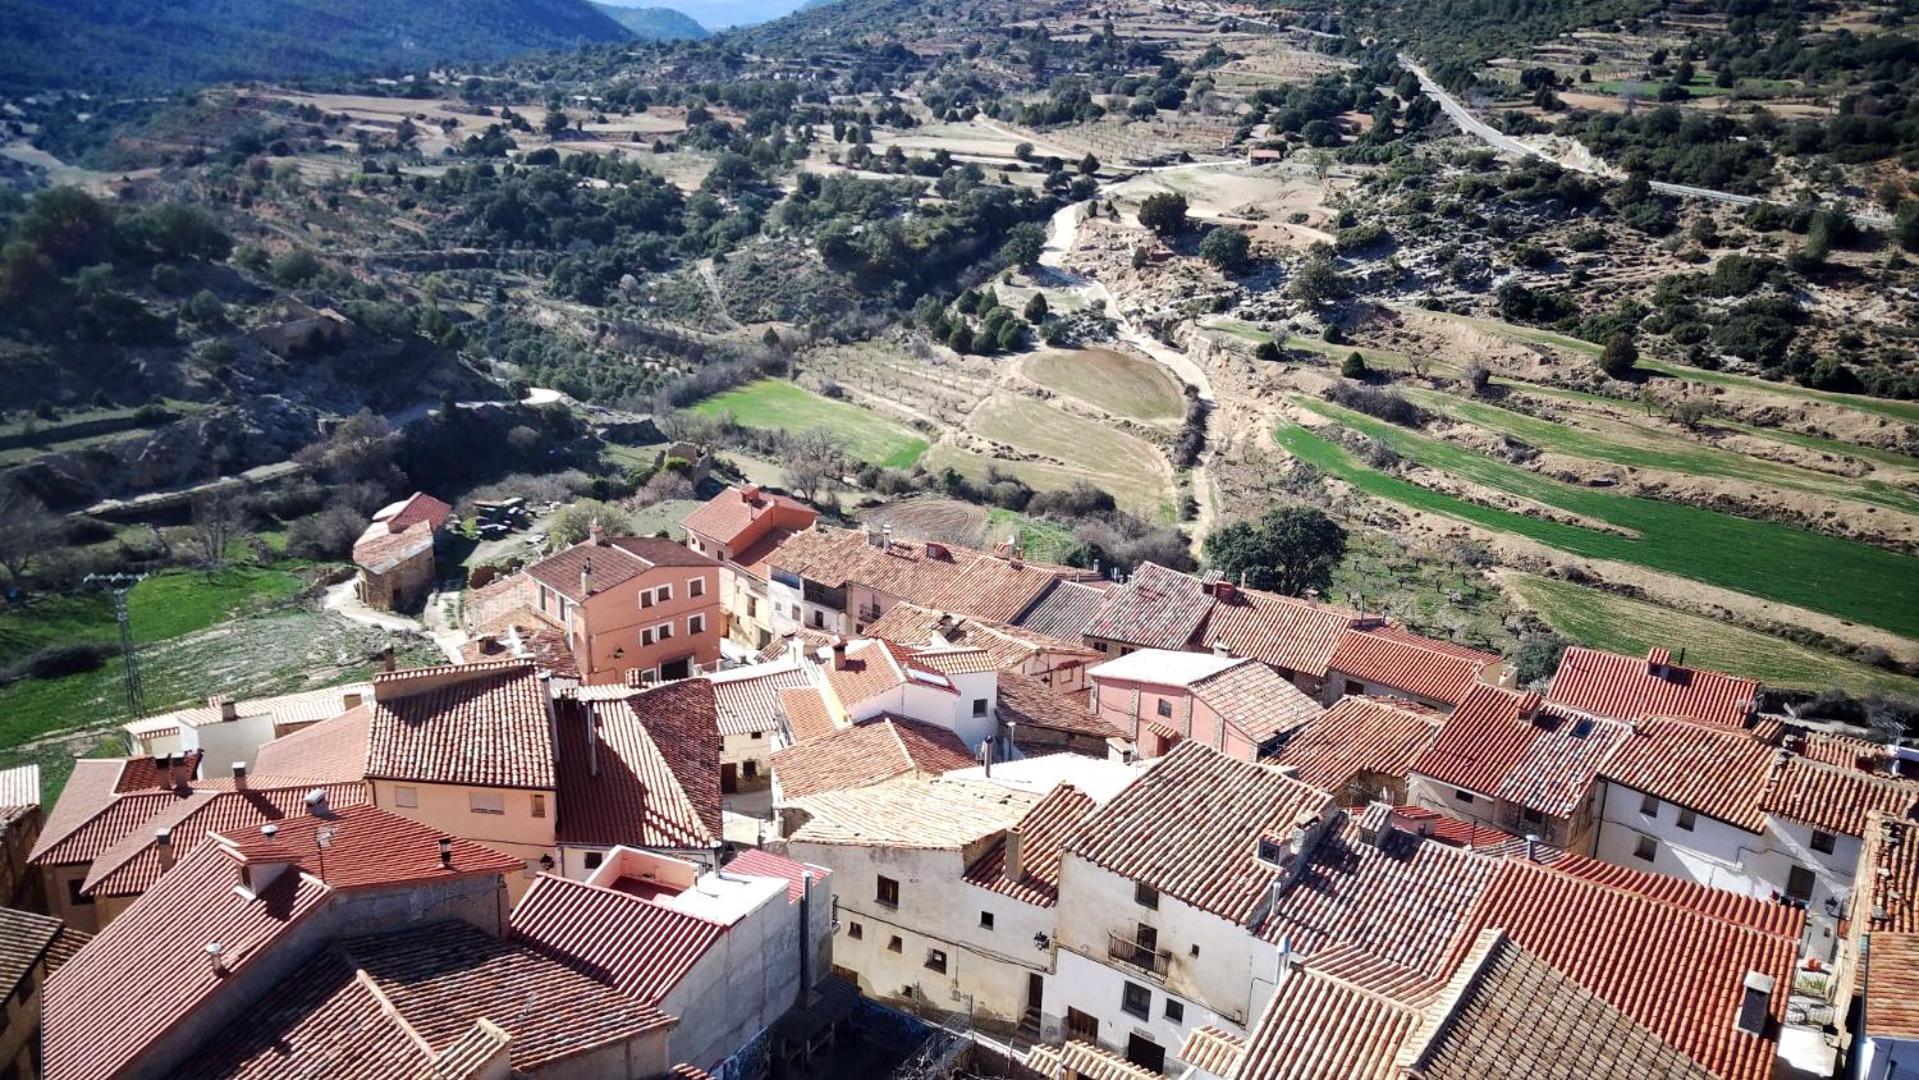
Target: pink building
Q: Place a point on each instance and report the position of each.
(630, 605)
(1160, 698)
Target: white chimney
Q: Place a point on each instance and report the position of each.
(1755, 1007)
(317, 803)
(1221, 649)
(1012, 867)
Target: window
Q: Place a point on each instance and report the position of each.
(758, 735)
(855, 931)
(646, 635)
(1823, 842)
(666, 593)
(1271, 851)
(407, 798)
(1463, 795)
(985, 920)
(664, 631)
(696, 624)
(75, 898)
(936, 960)
(819, 620)
(1175, 1011)
(1649, 806)
(979, 706)
(750, 769)
(1100, 646)
(1081, 1026)
(1646, 848)
(696, 586)
(646, 598)
(1136, 1000)
(752, 607)
(594, 859)
(1530, 816)
(1687, 820)
(486, 802)
(1355, 687)
(1799, 883)
(539, 805)
(1145, 895)
(888, 892)
(895, 945)
(1195, 951)
(1164, 708)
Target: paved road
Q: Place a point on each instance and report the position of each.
(1506, 144)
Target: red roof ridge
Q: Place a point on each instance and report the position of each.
(404, 674)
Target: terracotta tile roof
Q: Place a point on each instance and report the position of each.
(1321, 1028)
(1401, 898)
(947, 576)
(806, 714)
(1505, 1005)
(379, 549)
(1214, 1050)
(1471, 835)
(1359, 737)
(1508, 745)
(331, 751)
(1066, 610)
(1042, 837)
(871, 670)
(1883, 931)
(466, 1057)
(867, 753)
(1190, 827)
(618, 560)
(658, 769)
(131, 866)
(1157, 608)
(417, 508)
(1011, 647)
(1886, 891)
(750, 702)
(993, 588)
(912, 812)
(758, 862)
(1390, 656)
(954, 659)
(726, 515)
(484, 725)
(1624, 687)
(441, 978)
(1078, 1060)
(154, 774)
(89, 791)
(1782, 919)
(25, 939)
(147, 970)
(1686, 991)
(1255, 699)
(321, 1020)
(636, 946)
(366, 848)
(1282, 631)
(1717, 771)
(1824, 746)
(1834, 798)
(523, 635)
(289, 711)
(66, 947)
(1892, 992)
(119, 819)
(1030, 703)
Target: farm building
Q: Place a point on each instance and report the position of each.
(395, 553)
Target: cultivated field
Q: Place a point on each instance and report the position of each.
(1117, 382)
(781, 406)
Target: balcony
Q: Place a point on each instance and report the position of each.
(1145, 958)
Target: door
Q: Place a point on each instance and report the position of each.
(1081, 1026)
(1035, 993)
(729, 778)
(677, 669)
(1145, 1053)
(1799, 884)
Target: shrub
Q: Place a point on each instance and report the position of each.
(1354, 366)
(1620, 355)
(1375, 402)
(1164, 213)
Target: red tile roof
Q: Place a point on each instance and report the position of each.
(1390, 656)
(1892, 992)
(1686, 989)
(1623, 687)
(636, 946)
(1030, 703)
(806, 714)
(730, 513)
(871, 670)
(1042, 837)
(1506, 744)
(1885, 914)
(378, 550)
(89, 790)
(331, 751)
(758, 862)
(946, 576)
(1011, 647)
(618, 560)
(482, 725)
(749, 703)
(1359, 737)
(158, 774)
(1321, 1028)
(1782, 919)
(1066, 610)
(418, 507)
(868, 753)
(1157, 608)
(366, 848)
(1254, 699)
(1717, 771)
(1834, 798)
(658, 769)
(1190, 827)
(1282, 631)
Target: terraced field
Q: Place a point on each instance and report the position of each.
(1080, 444)
(782, 406)
(1120, 384)
(1820, 573)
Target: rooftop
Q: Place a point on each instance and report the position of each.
(1166, 667)
(912, 812)
(637, 946)
(1041, 837)
(1009, 646)
(331, 751)
(1066, 610)
(642, 768)
(286, 710)
(1255, 699)
(730, 514)
(748, 699)
(938, 575)
(1282, 631)
(25, 940)
(1513, 747)
(1425, 667)
(868, 753)
(1157, 608)
(1359, 737)
(1629, 687)
(484, 725)
(1030, 703)
(612, 561)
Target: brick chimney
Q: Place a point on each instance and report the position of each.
(163, 846)
(351, 701)
(239, 776)
(839, 654)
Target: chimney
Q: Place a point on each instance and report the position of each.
(214, 958)
(592, 742)
(1011, 868)
(839, 654)
(1756, 1005)
(1221, 649)
(1657, 660)
(1222, 589)
(173, 780)
(1532, 847)
(874, 538)
(317, 804)
(586, 579)
(386, 660)
(239, 776)
(446, 853)
(351, 701)
(596, 533)
(986, 756)
(1529, 705)
(749, 493)
(163, 845)
(229, 709)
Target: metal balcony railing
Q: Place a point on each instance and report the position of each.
(1126, 950)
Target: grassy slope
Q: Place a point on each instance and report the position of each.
(777, 405)
(1113, 381)
(1628, 626)
(1776, 562)
(162, 606)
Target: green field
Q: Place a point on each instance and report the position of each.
(1648, 449)
(1122, 385)
(1622, 625)
(1041, 540)
(162, 606)
(1776, 562)
(781, 406)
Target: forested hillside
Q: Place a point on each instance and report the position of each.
(655, 23)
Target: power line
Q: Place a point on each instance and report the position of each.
(118, 585)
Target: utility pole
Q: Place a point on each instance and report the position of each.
(118, 585)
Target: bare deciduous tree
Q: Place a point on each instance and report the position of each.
(27, 530)
(219, 518)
